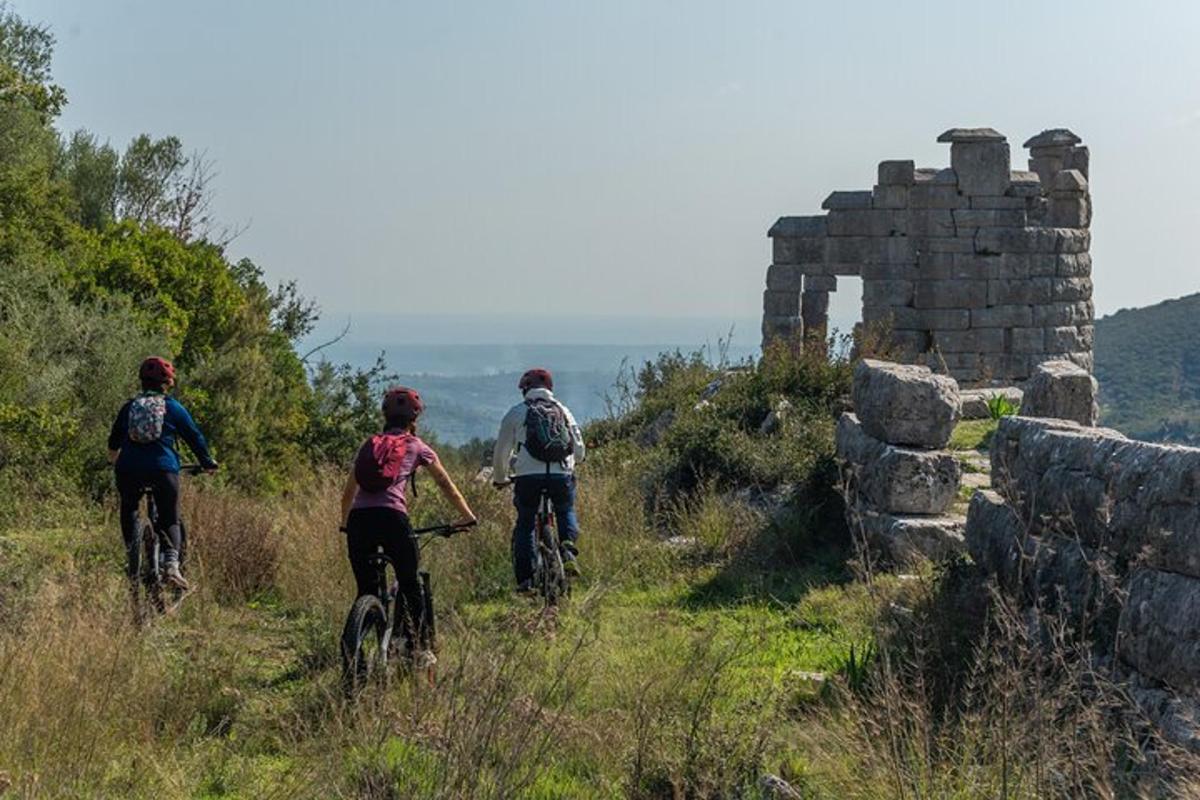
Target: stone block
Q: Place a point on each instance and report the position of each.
(1070, 338)
(809, 226)
(907, 344)
(982, 166)
(798, 249)
(907, 540)
(1052, 315)
(780, 303)
(814, 308)
(937, 196)
(975, 340)
(928, 222)
(870, 250)
(1070, 181)
(927, 319)
(1013, 266)
(785, 277)
(887, 293)
(990, 218)
(1072, 240)
(970, 135)
(1027, 340)
(897, 480)
(1046, 168)
(842, 268)
(1053, 137)
(998, 202)
(1005, 366)
(998, 241)
(1061, 390)
(890, 272)
(1070, 289)
(896, 173)
(1031, 291)
(1016, 316)
(905, 404)
(1078, 265)
(781, 327)
(865, 222)
(858, 199)
(926, 174)
(1070, 211)
(1024, 184)
(951, 294)
(820, 283)
(1079, 159)
(956, 266)
(1085, 360)
(893, 197)
(1159, 635)
(945, 245)
(1042, 265)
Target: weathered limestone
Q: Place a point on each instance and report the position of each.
(975, 401)
(905, 404)
(898, 486)
(943, 252)
(1105, 532)
(1061, 389)
(900, 479)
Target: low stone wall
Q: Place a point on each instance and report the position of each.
(897, 480)
(1107, 529)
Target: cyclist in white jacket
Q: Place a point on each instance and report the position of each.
(512, 460)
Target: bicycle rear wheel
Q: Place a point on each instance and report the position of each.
(365, 640)
(552, 581)
(151, 567)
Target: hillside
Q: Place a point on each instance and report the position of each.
(1148, 365)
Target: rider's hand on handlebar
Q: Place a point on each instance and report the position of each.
(212, 467)
(467, 522)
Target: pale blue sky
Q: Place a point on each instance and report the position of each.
(624, 157)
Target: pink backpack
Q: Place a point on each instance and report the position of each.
(380, 461)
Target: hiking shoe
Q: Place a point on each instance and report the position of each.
(423, 659)
(174, 577)
(525, 587)
(571, 566)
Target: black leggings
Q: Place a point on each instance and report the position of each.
(367, 528)
(164, 487)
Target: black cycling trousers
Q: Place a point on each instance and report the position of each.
(368, 528)
(164, 488)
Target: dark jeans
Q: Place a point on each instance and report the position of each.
(164, 488)
(367, 528)
(527, 495)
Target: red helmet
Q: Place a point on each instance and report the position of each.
(535, 378)
(400, 402)
(156, 370)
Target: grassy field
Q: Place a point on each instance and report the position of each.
(681, 667)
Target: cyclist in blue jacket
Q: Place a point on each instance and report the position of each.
(142, 448)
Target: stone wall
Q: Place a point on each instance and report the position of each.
(976, 270)
(1103, 529)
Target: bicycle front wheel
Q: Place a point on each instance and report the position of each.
(553, 578)
(364, 643)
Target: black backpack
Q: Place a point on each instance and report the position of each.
(547, 432)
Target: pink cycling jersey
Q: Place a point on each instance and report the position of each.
(418, 454)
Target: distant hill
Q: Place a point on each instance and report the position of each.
(1148, 366)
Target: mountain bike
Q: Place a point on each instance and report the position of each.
(549, 573)
(150, 588)
(549, 576)
(367, 646)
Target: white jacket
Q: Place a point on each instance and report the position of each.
(511, 439)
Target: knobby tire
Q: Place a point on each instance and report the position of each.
(366, 625)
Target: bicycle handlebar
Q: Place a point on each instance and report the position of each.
(432, 530)
(193, 469)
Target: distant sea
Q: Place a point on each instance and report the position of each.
(466, 366)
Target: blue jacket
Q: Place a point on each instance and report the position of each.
(160, 456)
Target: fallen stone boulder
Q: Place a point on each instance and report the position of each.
(1061, 390)
(895, 479)
(905, 404)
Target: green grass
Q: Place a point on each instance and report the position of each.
(973, 434)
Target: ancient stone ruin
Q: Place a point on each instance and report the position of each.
(976, 270)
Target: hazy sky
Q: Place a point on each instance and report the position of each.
(624, 157)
